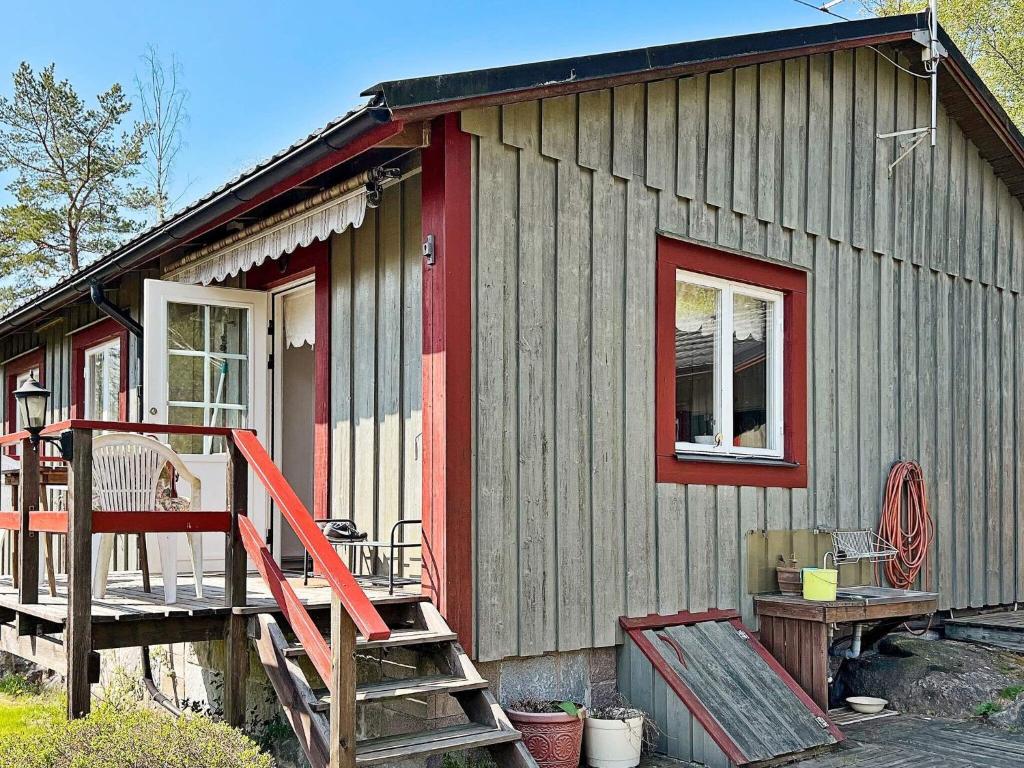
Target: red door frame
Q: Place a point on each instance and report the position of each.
(313, 260)
(447, 380)
(81, 341)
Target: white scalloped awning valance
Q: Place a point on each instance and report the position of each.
(298, 230)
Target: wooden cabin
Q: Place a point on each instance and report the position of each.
(500, 303)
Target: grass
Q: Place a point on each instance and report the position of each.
(986, 708)
(1010, 693)
(25, 708)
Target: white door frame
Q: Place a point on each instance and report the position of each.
(156, 296)
(278, 340)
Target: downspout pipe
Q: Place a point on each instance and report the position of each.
(119, 316)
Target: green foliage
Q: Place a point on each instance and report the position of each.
(986, 708)
(570, 708)
(1010, 693)
(72, 165)
(990, 33)
(27, 711)
(140, 738)
(17, 685)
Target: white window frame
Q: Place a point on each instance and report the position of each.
(724, 369)
(89, 383)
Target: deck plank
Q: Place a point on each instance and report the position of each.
(909, 741)
(126, 600)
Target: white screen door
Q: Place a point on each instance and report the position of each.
(205, 364)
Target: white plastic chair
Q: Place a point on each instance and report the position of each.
(126, 472)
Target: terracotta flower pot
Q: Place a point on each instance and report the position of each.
(554, 739)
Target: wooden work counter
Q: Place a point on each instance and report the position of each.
(795, 630)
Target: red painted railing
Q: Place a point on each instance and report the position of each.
(302, 623)
(356, 603)
(351, 596)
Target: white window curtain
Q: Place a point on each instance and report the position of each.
(299, 318)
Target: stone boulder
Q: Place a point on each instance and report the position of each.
(942, 678)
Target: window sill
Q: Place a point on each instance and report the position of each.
(757, 461)
(753, 471)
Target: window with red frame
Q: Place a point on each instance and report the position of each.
(731, 370)
(99, 377)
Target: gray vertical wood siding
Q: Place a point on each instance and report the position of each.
(376, 381)
(55, 340)
(914, 316)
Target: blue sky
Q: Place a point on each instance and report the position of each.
(262, 74)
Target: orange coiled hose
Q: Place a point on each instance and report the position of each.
(906, 525)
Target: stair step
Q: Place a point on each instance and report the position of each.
(392, 748)
(409, 686)
(399, 637)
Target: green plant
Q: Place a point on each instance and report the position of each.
(137, 738)
(986, 709)
(1011, 692)
(17, 685)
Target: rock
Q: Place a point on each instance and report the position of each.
(33, 674)
(942, 678)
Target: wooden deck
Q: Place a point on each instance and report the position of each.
(129, 616)
(1003, 630)
(923, 742)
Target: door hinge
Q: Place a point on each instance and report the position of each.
(821, 721)
(270, 361)
(270, 328)
(429, 250)
(743, 635)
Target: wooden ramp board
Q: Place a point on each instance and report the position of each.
(1003, 630)
(716, 694)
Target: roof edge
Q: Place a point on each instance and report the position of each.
(438, 93)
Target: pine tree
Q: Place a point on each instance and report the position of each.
(72, 167)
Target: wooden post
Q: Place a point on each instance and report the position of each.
(28, 552)
(343, 686)
(236, 641)
(78, 631)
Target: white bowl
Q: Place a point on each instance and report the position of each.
(866, 705)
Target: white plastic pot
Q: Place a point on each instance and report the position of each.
(613, 743)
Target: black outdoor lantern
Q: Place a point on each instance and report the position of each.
(32, 397)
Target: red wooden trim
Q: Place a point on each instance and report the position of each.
(676, 254)
(41, 521)
(313, 260)
(13, 438)
(294, 611)
(689, 699)
(787, 678)
(14, 368)
(81, 341)
(352, 597)
(447, 378)
(683, 618)
(104, 521)
(322, 388)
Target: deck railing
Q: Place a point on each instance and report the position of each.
(351, 609)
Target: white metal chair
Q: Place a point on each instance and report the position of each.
(126, 476)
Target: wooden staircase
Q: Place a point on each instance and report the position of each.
(420, 660)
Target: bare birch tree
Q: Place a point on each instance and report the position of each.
(163, 102)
